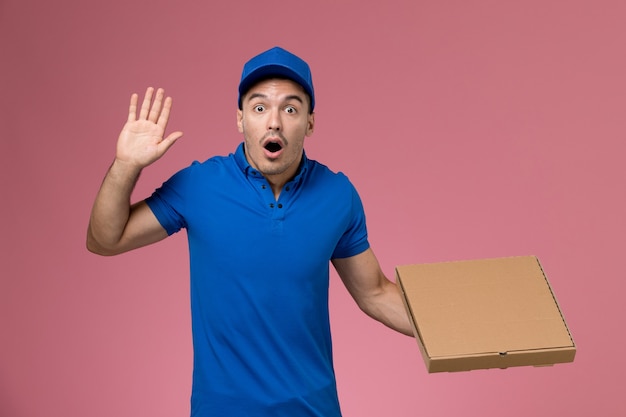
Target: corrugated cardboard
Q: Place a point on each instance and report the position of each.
(490, 313)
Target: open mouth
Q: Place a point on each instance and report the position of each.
(273, 147)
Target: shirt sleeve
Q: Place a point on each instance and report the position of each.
(168, 201)
(354, 240)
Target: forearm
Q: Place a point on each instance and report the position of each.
(387, 307)
(378, 297)
(111, 209)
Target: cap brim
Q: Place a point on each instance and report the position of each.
(269, 71)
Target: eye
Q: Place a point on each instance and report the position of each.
(290, 109)
(259, 108)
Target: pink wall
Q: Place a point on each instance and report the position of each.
(472, 129)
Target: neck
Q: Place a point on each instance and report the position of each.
(278, 181)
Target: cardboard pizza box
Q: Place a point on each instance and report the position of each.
(489, 313)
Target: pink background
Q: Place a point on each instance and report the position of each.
(472, 129)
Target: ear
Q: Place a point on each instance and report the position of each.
(310, 124)
(240, 121)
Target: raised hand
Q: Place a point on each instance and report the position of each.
(142, 141)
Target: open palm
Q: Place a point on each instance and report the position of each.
(141, 141)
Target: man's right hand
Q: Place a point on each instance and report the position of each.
(141, 141)
(115, 226)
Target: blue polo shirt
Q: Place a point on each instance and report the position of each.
(259, 282)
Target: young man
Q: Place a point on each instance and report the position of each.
(262, 224)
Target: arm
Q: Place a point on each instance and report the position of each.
(115, 226)
(378, 297)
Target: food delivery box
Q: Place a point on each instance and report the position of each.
(489, 313)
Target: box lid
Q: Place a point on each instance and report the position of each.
(485, 313)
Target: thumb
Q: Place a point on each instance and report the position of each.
(166, 143)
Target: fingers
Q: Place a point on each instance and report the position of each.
(165, 113)
(157, 112)
(145, 106)
(132, 109)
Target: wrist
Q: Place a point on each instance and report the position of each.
(125, 166)
(124, 171)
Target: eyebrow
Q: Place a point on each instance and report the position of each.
(289, 97)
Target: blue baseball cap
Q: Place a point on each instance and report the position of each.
(276, 62)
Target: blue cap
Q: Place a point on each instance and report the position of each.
(280, 63)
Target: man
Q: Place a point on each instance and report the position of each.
(262, 224)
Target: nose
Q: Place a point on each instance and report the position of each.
(274, 122)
